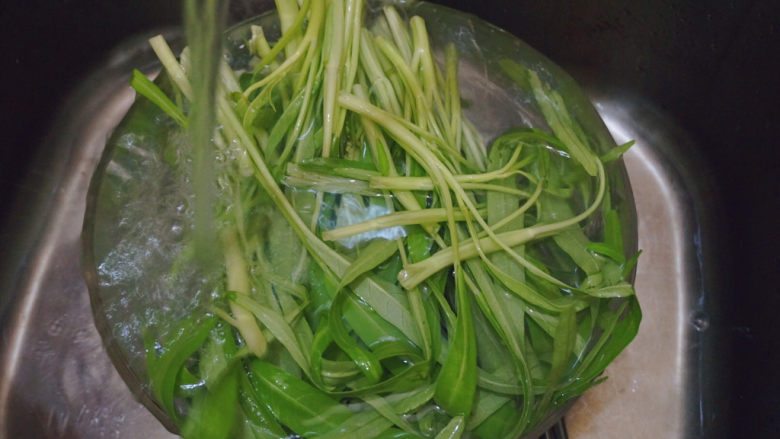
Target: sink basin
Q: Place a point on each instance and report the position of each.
(651, 69)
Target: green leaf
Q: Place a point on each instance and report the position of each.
(214, 414)
(149, 89)
(486, 297)
(384, 407)
(283, 124)
(606, 250)
(613, 233)
(575, 244)
(370, 423)
(279, 327)
(364, 359)
(186, 340)
(375, 253)
(367, 323)
(517, 72)
(216, 354)
(418, 244)
(322, 339)
(622, 289)
(394, 434)
(618, 331)
(488, 381)
(499, 424)
(485, 404)
(304, 409)
(457, 380)
(526, 292)
(616, 152)
(563, 126)
(563, 345)
(404, 379)
(492, 354)
(453, 430)
(257, 412)
(628, 266)
(501, 205)
(571, 240)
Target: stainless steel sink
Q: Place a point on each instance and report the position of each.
(57, 381)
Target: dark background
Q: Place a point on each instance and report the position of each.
(710, 66)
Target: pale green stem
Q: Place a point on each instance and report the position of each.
(171, 65)
(423, 48)
(312, 33)
(396, 219)
(453, 91)
(398, 31)
(258, 41)
(554, 109)
(288, 12)
(302, 114)
(413, 274)
(332, 73)
(527, 205)
(238, 281)
(425, 183)
(379, 82)
(421, 109)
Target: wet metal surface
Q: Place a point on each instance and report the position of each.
(57, 381)
(648, 390)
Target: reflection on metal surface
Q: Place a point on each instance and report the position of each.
(644, 393)
(57, 380)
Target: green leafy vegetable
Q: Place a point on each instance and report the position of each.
(381, 271)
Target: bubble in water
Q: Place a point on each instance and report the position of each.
(700, 320)
(129, 140)
(56, 327)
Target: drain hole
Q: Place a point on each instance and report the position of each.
(557, 431)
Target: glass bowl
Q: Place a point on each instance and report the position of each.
(140, 207)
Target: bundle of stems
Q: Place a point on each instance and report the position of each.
(386, 273)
